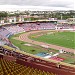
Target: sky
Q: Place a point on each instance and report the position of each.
(12, 5)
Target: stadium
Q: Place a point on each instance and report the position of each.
(37, 48)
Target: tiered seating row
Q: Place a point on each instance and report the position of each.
(12, 68)
(5, 32)
(15, 29)
(34, 26)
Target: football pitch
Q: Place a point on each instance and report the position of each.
(64, 39)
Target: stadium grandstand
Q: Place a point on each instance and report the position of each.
(17, 62)
(13, 61)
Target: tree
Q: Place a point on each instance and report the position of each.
(3, 14)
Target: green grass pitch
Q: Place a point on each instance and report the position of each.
(65, 39)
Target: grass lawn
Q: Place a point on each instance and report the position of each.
(65, 39)
(68, 58)
(29, 49)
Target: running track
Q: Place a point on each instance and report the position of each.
(24, 37)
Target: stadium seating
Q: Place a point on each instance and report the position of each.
(21, 58)
(65, 26)
(15, 29)
(34, 26)
(5, 32)
(12, 68)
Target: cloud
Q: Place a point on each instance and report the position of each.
(64, 4)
